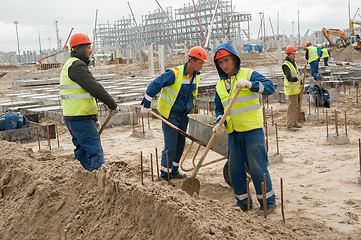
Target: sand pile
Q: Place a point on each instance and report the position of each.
(44, 194)
(347, 54)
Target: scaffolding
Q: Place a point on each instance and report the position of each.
(161, 28)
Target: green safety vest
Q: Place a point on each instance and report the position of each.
(312, 54)
(74, 99)
(291, 88)
(169, 94)
(246, 113)
(324, 53)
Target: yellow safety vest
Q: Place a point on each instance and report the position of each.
(312, 54)
(246, 113)
(74, 99)
(291, 88)
(169, 94)
(324, 53)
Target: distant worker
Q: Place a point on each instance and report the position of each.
(313, 59)
(93, 60)
(325, 54)
(112, 58)
(179, 88)
(246, 140)
(79, 91)
(12, 120)
(292, 88)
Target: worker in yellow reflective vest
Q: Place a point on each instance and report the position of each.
(79, 91)
(178, 89)
(313, 59)
(246, 141)
(325, 54)
(292, 88)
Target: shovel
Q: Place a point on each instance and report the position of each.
(192, 185)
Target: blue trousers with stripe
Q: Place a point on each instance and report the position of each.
(88, 150)
(248, 149)
(174, 143)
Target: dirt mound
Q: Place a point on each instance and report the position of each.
(8, 67)
(44, 195)
(347, 54)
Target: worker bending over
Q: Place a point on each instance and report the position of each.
(178, 87)
(313, 59)
(79, 91)
(246, 141)
(325, 54)
(292, 88)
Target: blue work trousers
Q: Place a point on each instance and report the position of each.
(314, 70)
(173, 143)
(248, 149)
(88, 150)
(325, 61)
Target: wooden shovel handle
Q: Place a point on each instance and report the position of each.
(209, 145)
(105, 124)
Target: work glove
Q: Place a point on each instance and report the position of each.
(242, 83)
(114, 111)
(98, 125)
(218, 129)
(144, 110)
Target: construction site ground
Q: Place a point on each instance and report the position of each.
(47, 195)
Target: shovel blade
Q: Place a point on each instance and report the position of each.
(191, 186)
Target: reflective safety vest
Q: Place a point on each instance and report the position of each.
(74, 99)
(324, 53)
(169, 94)
(312, 54)
(291, 88)
(246, 113)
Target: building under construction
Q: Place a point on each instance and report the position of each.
(188, 24)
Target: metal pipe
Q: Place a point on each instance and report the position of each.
(282, 208)
(151, 165)
(199, 22)
(156, 161)
(141, 167)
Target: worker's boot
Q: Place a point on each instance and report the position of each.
(297, 125)
(270, 209)
(179, 175)
(292, 128)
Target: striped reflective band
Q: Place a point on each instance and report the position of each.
(168, 89)
(76, 96)
(241, 197)
(165, 97)
(244, 109)
(146, 96)
(293, 85)
(70, 86)
(186, 81)
(164, 169)
(242, 99)
(175, 164)
(219, 117)
(268, 195)
(260, 87)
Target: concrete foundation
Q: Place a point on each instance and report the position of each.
(317, 116)
(139, 134)
(275, 158)
(339, 140)
(359, 180)
(28, 133)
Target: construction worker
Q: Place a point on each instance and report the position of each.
(79, 91)
(179, 88)
(292, 88)
(93, 60)
(325, 54)
(112, 58)
(12, 120)
(313, 59)
(246, 141)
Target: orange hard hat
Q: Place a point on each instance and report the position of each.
(323, 46)
(308, 44)
(222, 53)
(291, 49)
(79, 38)
(199, 53)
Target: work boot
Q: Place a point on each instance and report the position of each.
(243, 208)
(179, 175)
(270, 209)
(297, 125)
(170, 182)
(292, 128)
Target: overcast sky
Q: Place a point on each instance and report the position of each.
(38, 16)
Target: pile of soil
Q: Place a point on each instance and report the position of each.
(347, 54)
(47, 195)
